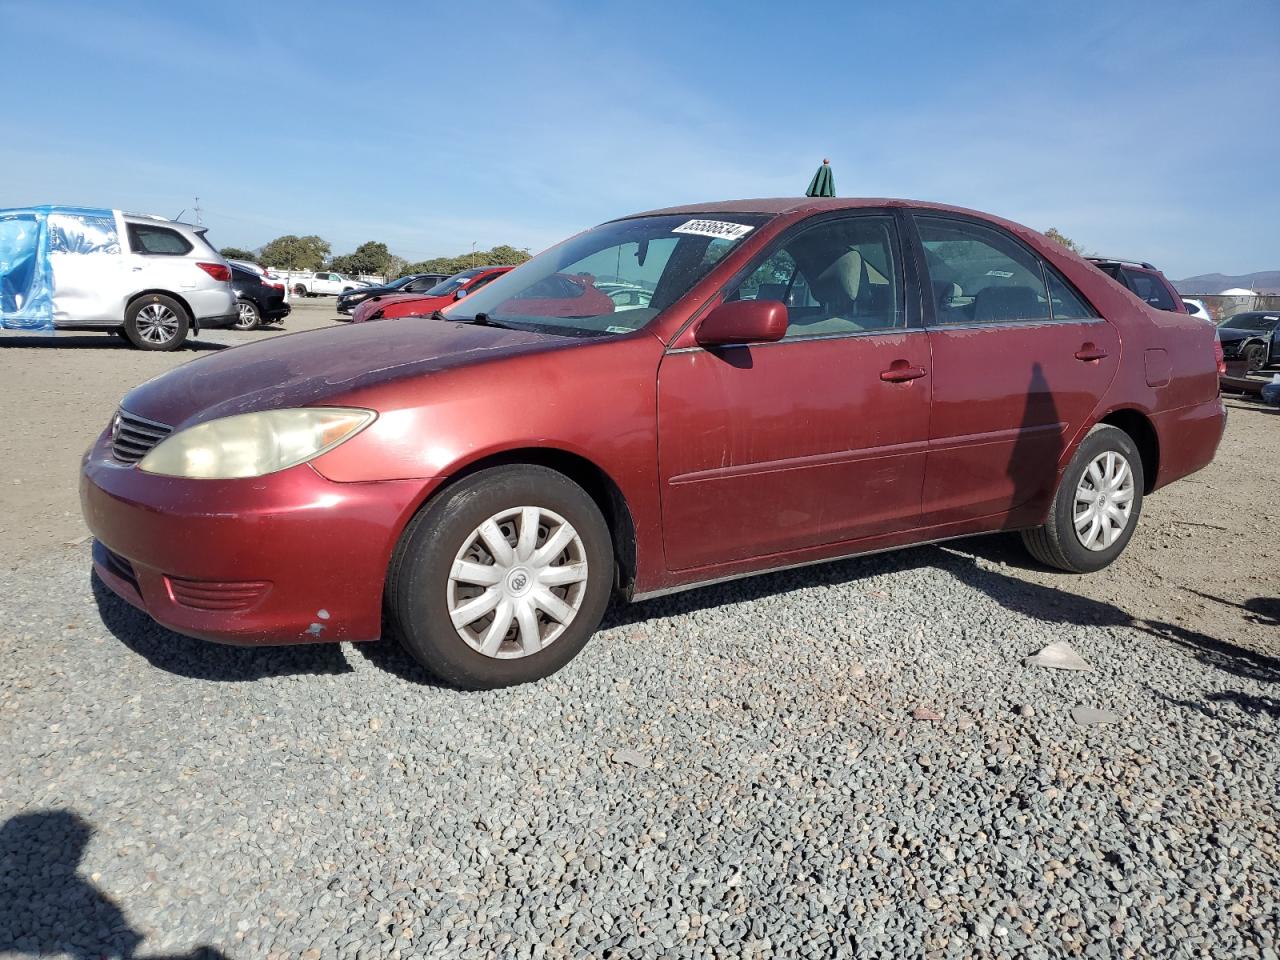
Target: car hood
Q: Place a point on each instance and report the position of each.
(322, 366)
(1235, 334)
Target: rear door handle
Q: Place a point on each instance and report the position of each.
(1090, 352)
(900, 372)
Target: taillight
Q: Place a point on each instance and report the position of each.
(219, 271)
(273, 286)
(1217, 355)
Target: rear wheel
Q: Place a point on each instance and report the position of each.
(503, 579)
(156, 322)
(299, 290)
(1096, 507)
(250, 317)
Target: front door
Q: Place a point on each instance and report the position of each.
(816, 439)
(1020, 361)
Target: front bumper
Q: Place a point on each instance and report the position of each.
(286, 558)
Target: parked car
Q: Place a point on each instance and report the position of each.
(323, 283)
(413, 283)
(1245, 336)
(1197, 309)
(812, 379)
(1148, 283)
(259, 299)
(436, 297)
(149, 279)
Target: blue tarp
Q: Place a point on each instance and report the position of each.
(28, 236)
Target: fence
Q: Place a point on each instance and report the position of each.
(1220, 307)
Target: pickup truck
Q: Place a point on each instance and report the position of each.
(322, 283)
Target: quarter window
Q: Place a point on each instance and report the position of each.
(979, 275)
(157, 241)
(838, 277)
(1066, 303)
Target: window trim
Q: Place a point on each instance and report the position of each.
(928, 306)
(133, 231)
(906, 269)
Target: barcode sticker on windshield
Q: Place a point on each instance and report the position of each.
(720, 229)
(1000, 273)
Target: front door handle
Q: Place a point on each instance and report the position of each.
(900, 372)
(1090, 352)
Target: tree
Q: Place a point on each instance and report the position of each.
(296, 253)
(1053, 234)
(370, 257)
(238, 253)
(501, 255)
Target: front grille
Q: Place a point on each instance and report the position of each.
(133, 436)
(223, 595)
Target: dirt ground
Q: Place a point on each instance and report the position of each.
(1205, 558)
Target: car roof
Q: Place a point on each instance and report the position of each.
(786, 205)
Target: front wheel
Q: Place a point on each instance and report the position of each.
(1255, 356)
(249, 316)
(156, 322)
(1096, 507)
(503, 579)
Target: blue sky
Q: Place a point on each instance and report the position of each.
(1144, 130)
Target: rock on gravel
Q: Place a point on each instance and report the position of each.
(160, 795)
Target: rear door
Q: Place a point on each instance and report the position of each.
(1020, 361)
(818, 438)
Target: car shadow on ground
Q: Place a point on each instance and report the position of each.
(51, 908)
(93, 341)
(201, 660)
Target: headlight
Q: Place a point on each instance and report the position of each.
(253, 444)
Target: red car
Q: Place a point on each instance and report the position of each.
(442, 295)
(810, 379)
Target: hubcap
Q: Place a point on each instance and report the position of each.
(157, 323)
(517, 582)
(1104, 501)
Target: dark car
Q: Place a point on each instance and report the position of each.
(1148, 283)
(811, 379)
(259, 299)
(413, 283)
(1246, 336)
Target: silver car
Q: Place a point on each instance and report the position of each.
(146, 278)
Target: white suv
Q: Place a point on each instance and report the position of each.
(146, 278)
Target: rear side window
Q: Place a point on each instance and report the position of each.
(157, 241)
(1150, 288)
(980, 275)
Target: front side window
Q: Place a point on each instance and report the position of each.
(1150, 288)
(566, 290)
(980, 275)
(838, 277)
(157, 241)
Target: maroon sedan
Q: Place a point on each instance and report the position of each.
(809, 379)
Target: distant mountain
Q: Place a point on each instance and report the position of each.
(1264, 281)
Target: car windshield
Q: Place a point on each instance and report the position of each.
(1250, 321)
(573, 288)
(446, 287)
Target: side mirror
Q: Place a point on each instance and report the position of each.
(743, 321)
(460, 294)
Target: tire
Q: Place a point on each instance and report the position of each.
(250, 315)
(422, 590)
(156, 322)
(1255, 356)
(1057, 543)
(300, 291)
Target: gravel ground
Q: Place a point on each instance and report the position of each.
(849, 760)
